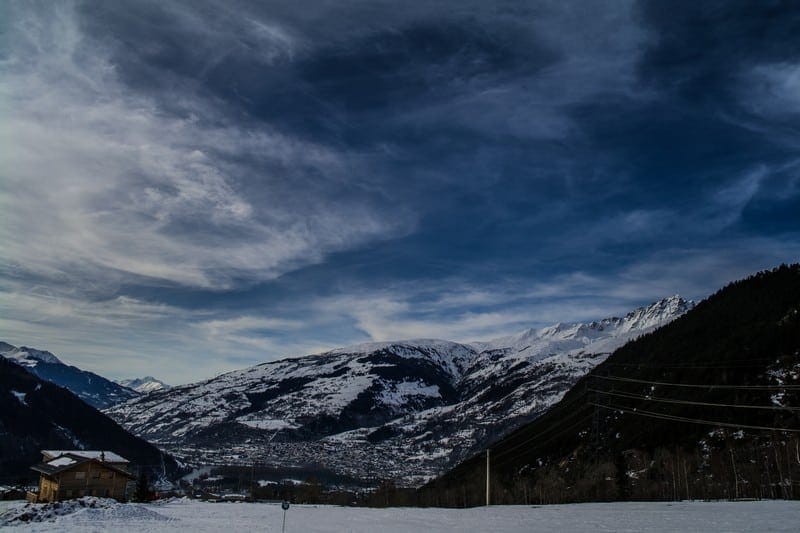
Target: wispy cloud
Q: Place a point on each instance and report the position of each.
(103, 181)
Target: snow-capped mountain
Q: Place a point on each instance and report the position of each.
(95, 390)
(144, 385)
(27, 357)
(401, 410)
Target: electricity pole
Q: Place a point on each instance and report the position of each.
(487, 476)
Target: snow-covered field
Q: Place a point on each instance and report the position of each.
(186, 515)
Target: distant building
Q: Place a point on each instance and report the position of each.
(66, 474)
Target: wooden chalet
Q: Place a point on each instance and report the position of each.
(65, 474)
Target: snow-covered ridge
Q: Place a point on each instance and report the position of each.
(639, 319)
(404, 408)
(27, 356)
(144, 385)
(93, 389)
(451, 356)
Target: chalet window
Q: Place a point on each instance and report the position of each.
(69, 493)
(108, 493)
(80, 475)
(96, 474)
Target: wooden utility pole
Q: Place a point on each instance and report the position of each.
(487, 476)
(252, 480)
(735, 476)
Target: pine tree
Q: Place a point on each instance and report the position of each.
(142, 491)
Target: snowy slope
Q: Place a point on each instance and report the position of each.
(403, 410)
(93, 389)
(183, 515)
(27, 356)
(144, 385)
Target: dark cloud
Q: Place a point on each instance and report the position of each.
(396, 68)
(699, 48)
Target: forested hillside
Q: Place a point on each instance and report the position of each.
(705, 407)
(38, 415)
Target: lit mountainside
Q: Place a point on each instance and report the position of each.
(401, 410)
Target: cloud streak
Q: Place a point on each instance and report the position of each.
(104, 181)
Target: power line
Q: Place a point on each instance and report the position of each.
(546, 441)
(687, 402)
(663, 416)
(549, 429)
(749, 363)
(699, 386)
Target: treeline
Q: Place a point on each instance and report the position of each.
(734, 467)
(386, 494)
(728, 465)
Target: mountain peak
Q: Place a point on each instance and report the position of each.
(95, 390)
(27, 356)
(656, 313)
(558, 336)
(369, 347)
(144, 385)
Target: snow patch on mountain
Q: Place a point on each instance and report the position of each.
(20, 396)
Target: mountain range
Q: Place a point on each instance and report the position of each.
(144, 385)
(671, 400)
(402, 410)
(95, 390)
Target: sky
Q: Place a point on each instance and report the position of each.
(191, 187)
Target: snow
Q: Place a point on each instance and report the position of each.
(451, 355)
(267, 424)
(144, 385)
(88, 509)
(20, 396)
(109, 457)
(603, 336)
(62, 461)
(91, 388)
(188, 515)
(196, 473)
(27, 356)
(399, 393)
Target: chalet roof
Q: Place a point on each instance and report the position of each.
(107, 455)
(69, 461)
